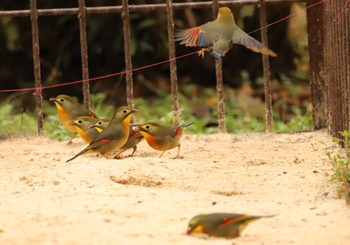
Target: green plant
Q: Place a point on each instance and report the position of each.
(341, 161)
(300, 122)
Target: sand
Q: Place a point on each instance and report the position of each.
(149, 200)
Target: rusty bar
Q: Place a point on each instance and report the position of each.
(173, 68)
(84, 53)
(266, 69)
(37, 68)
(219, 82)
(316, 38)
(127, 55)
(133, 8)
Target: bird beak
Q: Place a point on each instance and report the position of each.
(70, 122)
(92, 126)
(134, 110)
(52, 99)
(136, 127)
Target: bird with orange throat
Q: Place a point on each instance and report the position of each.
(162, 138)
(218, 36)
(82, 125)
(113, 136)
(68, 109)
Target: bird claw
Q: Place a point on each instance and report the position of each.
(118, 156)
(202, 52)
(178, 157)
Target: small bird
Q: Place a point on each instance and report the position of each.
(227, 225)
(162, 138)
(82, 125)
(113, 136)
(68, 109)
(134, 137)
(218, 36)
(100, 125)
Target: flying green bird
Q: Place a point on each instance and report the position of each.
(218, 36)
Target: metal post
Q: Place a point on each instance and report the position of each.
(173, 69)
(316, 37)
(266, 67)
(219, 83)
(127, 54)
(84, 53)
(37, 68)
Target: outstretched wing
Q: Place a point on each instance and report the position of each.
(242, 38)
(200, 36)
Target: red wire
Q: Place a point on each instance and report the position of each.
(342, 11)
(287, 17)
(98, 78)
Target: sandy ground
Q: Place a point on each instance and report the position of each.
(147, 200)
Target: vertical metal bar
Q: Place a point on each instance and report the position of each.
(37, 67)
(84, 53)
(127, 54)
(316, 38)
(219, 83)
(266, 66)
(173, 69)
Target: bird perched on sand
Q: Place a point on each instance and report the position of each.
(218, 36)
(227, 225)
(133, 140)
(68, 109)
(82, 125)
(113, 136)
(162, 138)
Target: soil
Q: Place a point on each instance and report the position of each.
(149, 200)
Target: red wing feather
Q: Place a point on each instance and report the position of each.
(104, 140)
(194, 37)
(236, 219)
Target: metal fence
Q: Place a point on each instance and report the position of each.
(81, 11)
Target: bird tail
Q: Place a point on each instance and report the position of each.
(185, 125)
(80, 153)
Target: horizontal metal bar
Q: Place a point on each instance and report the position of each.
(133, 8)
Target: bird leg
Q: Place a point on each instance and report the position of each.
(134, 148)
(178, 153)
(203, 50)
(161, 154)
(117, 156)
(70, 141)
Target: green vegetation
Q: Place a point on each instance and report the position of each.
(201, 110)
(341, 162)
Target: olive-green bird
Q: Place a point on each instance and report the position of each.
(68, 109)
(134, 137)
(227, 225)
(82, 125)
(113, 136)
(162, 138)
(218, 36)
(100, 125)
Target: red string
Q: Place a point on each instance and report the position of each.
(154, 64)
(287, 17)
(342, 11)
(97, 78)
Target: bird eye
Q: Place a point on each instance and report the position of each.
(99, 122)
(61, 99)
(147, 126)
(80, 121)
(125, 111)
